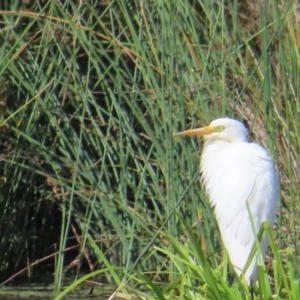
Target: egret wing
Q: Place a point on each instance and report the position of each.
(242, 174)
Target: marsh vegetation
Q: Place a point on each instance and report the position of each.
(92, 178)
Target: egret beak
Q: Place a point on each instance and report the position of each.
(199, 131)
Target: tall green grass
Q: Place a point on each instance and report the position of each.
(91, 94)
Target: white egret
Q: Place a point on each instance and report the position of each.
(236, 172)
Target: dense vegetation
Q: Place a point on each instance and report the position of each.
(92, 177)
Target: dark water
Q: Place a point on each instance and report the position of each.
(38, 292)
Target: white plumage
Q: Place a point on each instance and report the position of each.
(235, 172)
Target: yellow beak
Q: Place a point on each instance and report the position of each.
(199, 131)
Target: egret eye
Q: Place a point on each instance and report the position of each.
(219, 128)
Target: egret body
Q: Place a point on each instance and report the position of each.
(236, 172)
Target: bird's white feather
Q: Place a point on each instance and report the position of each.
(235, 172)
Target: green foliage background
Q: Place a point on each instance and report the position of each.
(91, 93)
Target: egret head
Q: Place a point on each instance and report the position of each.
(221, 129)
